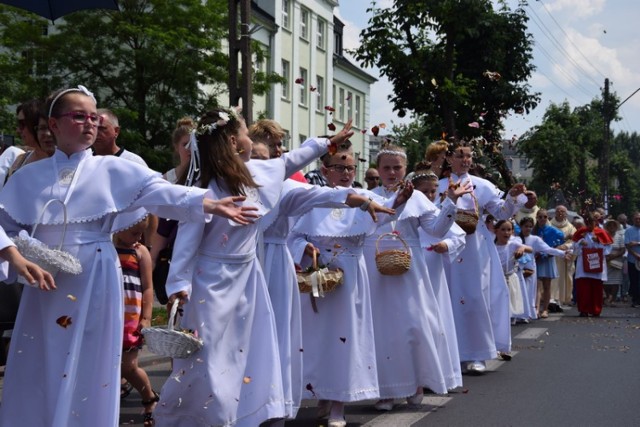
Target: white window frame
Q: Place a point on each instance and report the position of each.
(304, 98)
(304, 23)
(286, 74)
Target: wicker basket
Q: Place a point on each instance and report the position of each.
(170, 342)
(468, 219)
(49, 259)
(393, 262)
(320, 280)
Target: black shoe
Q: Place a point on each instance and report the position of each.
(584, 315)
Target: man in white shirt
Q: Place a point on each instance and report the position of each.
(108, 132)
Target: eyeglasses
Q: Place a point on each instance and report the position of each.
(81, 118)
(42, 129)
(21, 124)
(371, 178)
(343, 168)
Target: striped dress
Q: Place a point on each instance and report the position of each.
(132, 339)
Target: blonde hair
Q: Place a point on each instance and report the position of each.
(391, 150)
(435, 149)
(266, 131)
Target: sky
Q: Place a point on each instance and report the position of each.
(577, 44)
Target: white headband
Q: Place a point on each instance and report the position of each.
(80, 89)
(392, 153)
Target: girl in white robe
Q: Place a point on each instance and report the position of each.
(509, 250)
(435, 250)
(530, 277)
(279, 271)
(469, 275)
(235, 379)
(64, 362)
(338, 340)
(406, 317)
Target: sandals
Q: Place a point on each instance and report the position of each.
(148, 416)
(125, 389)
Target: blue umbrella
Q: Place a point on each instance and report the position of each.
(53, 9)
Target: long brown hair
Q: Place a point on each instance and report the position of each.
(218, 159)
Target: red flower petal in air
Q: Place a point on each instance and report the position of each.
(331, 127)
(299, 81)
(364, 131)
(375, 130)
(329, 108)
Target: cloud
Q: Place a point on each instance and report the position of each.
(577, 8)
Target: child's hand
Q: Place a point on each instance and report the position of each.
(440, 248)
(518, 252)
(31, 271)
(144, 323)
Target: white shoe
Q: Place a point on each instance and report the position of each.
(476, 367)
(336, 422)
(384, 405)
(416, 399)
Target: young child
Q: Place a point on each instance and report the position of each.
(138, 301)
(67, 345)
(509, 251)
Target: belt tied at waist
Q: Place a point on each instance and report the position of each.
(275, 240)
(72, 237)
(227, 257)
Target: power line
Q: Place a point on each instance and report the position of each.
(570, 41)
(545, 30)
(571, 79)
(559, 87)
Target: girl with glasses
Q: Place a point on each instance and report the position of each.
(65, 358)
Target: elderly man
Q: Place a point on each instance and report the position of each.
(372, 178)
(108, 133)
(562, 287)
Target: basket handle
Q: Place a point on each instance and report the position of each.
(40, 218)
(314, 258)
(395, 236)
(173, 314)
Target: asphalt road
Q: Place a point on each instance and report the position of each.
(566, 371)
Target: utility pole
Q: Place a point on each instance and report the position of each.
(240, 54)
(608, 116)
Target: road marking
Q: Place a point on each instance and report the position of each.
(406, 415)
(531, 334)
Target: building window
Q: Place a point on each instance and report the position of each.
(333, 97)
(285, 13)
(341, 104)
(286, 140)
(523, 163)
(349, 101)
(301, 138)
(337, 44)
(319, 93)
(356, 112)
(304, 24)
(509, 163)
(286, 74)
(320, 34)
(303, 86)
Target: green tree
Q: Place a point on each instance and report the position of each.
(563, 152)
(437, 53)
(625, 156)
(152, 62)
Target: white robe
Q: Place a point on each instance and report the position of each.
(65, 377)
(338, 341)
(448, 353)
(513, 277)
(279, 271)
(406, 318)
(469, 276)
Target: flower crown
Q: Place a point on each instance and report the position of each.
(224, 117)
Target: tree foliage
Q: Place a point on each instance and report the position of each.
(436, 54)
(152, 62)
(564, 152)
